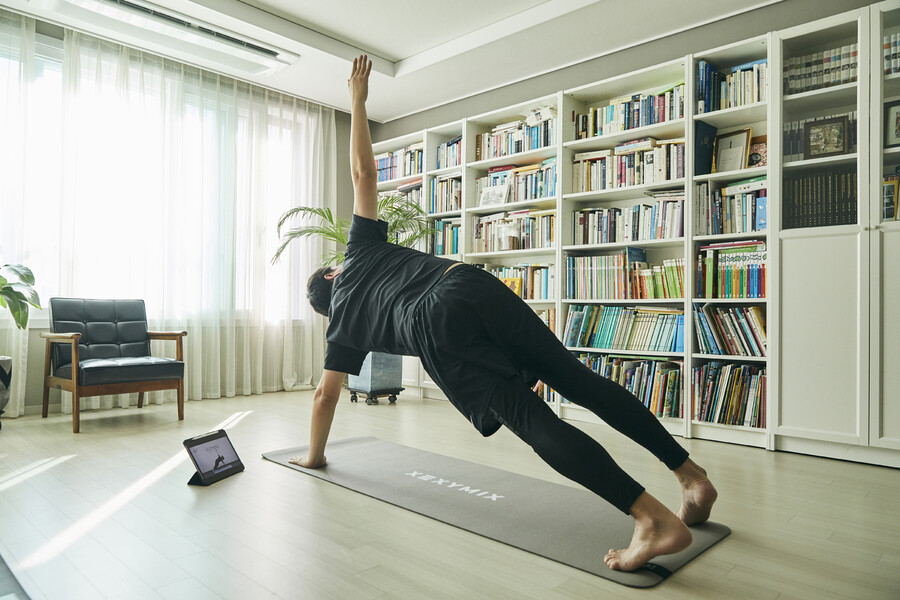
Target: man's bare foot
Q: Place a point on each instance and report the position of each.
(697, 493)
(657, 531)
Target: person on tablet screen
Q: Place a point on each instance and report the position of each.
(485, 348)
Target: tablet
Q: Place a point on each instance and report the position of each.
(213, 456)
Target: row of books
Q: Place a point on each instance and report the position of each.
(635, 329)
(518, 184)
(401, 163)
(656, 383)
(735, 331)
(623, 275)
(816, 70)
(629, 112)
(449, 153)
(664, 219)
(445, 239)
(795, 136)
(731, 270)
(739, 207)
(747, 83)
(445, 194)
(820, 198)
(545, 392)
(514, 137)
(730, 394)
(644, 161)
(528, 281)
(519, 230)
(548, 316)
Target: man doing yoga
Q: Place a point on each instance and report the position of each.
(485, 348)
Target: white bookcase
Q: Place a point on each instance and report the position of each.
(831, 384)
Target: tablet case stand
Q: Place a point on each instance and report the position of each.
(197, 480)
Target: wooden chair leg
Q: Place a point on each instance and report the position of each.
(45, 407)
(181, 399)
(46, 403)
(140, 399)
(76, 409)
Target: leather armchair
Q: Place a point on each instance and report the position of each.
(98, 347)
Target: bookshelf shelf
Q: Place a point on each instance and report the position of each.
(587, 248)
(449, 172)
(393, 184)
(664, 130)
(450, 214)
(734, 117)
(730, 357)
(729, 237)
(629, 353)
(735, 434)
(537, 203)
(732, 175)
(842, 159)
(623, 193)
(823, 98)
(635, 301)
(480, 256)
(699, 300)
(518, 159)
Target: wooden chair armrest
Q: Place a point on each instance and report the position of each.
(61, 337)
(166, 335)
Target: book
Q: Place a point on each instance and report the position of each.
(704, 141)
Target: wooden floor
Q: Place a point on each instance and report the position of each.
(107, 514)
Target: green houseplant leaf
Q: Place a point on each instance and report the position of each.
(406, 221)
(16, 293)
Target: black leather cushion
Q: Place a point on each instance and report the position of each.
(100, 371)
(114, 345)
(109, 328)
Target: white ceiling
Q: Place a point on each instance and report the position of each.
(425, 53)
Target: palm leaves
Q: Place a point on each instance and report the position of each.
(406, 226)
(16, 292)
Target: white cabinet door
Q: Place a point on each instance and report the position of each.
(824, 335)
(885, 430)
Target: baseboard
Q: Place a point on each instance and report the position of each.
(862, 454)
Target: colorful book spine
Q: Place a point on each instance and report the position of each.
(729, 394)
(656, 383)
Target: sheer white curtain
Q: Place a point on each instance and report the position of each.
(16, 80)
(170, 184)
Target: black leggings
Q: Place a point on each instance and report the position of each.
(482, 344)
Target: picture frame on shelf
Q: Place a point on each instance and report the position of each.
(759, 154)
(828, 137)
(892, 124)
(494, 195)
(732, 150)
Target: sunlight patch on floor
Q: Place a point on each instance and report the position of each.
(76, 531)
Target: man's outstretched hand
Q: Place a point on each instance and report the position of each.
(359, 78)
(306, 463)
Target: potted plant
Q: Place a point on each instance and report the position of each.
(381, 373)
(16, 294)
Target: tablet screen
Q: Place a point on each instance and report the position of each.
(213, 456)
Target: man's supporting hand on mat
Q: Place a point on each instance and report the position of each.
(657, 530)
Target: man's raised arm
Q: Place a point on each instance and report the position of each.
(362, 160)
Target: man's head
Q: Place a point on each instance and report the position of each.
(318, 288)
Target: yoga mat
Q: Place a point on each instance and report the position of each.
(9, 585)
(565, 524)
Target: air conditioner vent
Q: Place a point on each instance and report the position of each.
(150, 11)
(235, 40)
